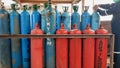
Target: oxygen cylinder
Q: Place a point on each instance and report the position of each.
(43, 24)
(5, 57)
(15, 42)
(88, 49)
(75, 49)
(101, 49)
(25, 29)
(50, 28)
(85, 18)
(37, 49)
(43, 17)
(95, 21)
(58, 18)
(36, 17)
(62, 50)
(66, 19)
(75, 19)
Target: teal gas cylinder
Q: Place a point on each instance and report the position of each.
(58, 18)
(5, 57)
(75, 19)
(66, 19)
(85, 18)
(15, 42)
(36, 17)
(25, 42)
(95, 21)
(50, 28)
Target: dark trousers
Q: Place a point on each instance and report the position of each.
(117, 49)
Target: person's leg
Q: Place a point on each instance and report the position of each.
(117, 52)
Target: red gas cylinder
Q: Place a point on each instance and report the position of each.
(101, 49)
(37, 48)
(62, 49)
(88, 49)
(75, 49)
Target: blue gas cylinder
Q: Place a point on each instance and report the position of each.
(36, 17)
(25, 43)
(66, 19)
(5, 57)
(75, 18)
(15, 42)
(85, 18)
(58, 18)
(43, 17)
(95, 21)
(50, 28)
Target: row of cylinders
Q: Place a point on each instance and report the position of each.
(21, 25)
(73, 52)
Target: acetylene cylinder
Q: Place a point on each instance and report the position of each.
(25, 29)
(58, 18)
(88, 49)
(5, 57)
(15, 42)
(66, 19)
(85, 18)
(101, 49)
(62, 50)
(75, 18)
(75, 49)
(95, 21)
(36, 17)
(37, 49)
(50, 28)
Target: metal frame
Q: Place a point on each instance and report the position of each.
(109, 36)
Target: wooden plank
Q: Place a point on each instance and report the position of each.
(112, 51)
(53, 1)
(56, 36)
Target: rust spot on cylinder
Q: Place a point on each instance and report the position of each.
(13, 61)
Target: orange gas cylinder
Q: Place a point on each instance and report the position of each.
(101, 49)
(37, 48)
(62, 49)
(75, 49)
(88, 49)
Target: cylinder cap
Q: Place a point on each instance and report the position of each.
(13, 6)
(101, 26)
(62, 26)
(88, 26)
(37, 26)
(75, 26)
(35, 7)
(25, 7)
(75, 8)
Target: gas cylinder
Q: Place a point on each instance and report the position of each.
(66, 18)
(43, 19)
(25, 43)
(85, 18)
(5, 57)
(101, 49)
(37, 49)
(75, 49)
(58, 18)
(75, 18)
(95, 20)
(50, 28)
(88, 49)
(36, 17)
(62, 50)
(43, 23)
(15, 42)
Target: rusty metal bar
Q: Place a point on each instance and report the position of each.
(56, 36)
(112, 51)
